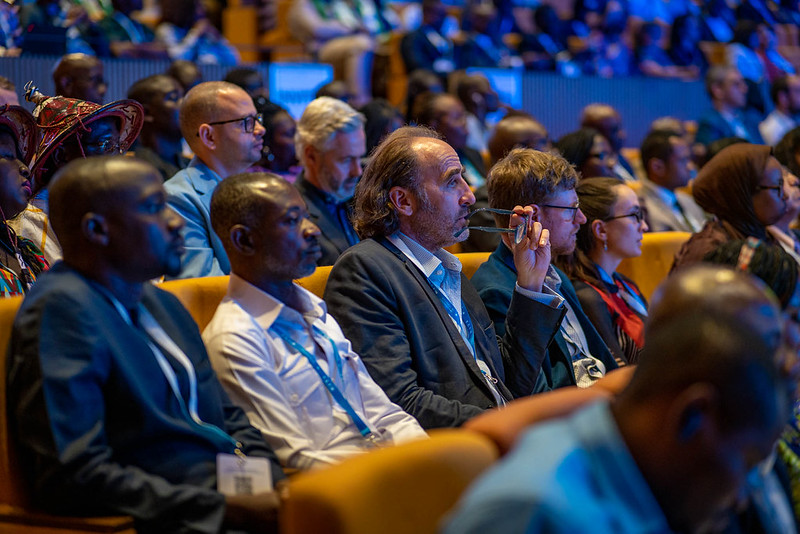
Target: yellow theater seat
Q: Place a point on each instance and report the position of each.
(396, 490)
(17, 516)
(658, 252)
(470, 261)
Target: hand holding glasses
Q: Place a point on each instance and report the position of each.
(519, 231)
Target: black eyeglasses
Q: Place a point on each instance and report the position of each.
(518, 231)
(248, 122)
(638, 215)
(574, 208)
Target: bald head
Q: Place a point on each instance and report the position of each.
(80, 76)
(606, 120)
(201, 105)
(244, 199)
(517, 132)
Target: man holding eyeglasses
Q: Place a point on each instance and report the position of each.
(546, 183)
(220, 123)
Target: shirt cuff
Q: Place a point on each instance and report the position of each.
(547, 297)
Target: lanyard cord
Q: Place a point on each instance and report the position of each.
(365, 431)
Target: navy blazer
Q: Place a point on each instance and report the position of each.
(713, 126)
(495, 281)
(411, 346)
(332, 238)
(100, 429)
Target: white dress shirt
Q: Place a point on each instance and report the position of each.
(281, 392)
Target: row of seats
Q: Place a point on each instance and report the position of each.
(369, 493)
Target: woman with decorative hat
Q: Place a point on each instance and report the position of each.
(20, 260)
(71, 129)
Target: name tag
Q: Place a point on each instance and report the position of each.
(239, 475)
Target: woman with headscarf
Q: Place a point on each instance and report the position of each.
(742, 187)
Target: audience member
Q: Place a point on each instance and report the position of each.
(546, 183)
(186, 72)
(336, 89)
(607, 120)
(121, 35)
(8, 92)
(479, 99)
(429, 47)
(11, 34)
(271, 340)
(160, 141)
(21, 261)
(120, 429)
(654, 60)
(719, 145)
(728, 92)
(684, 43)
(445, 114)
(343, 34)
(785, 94)
(589, 152)
(252, 82)
(80, 77)
(330, 143)
(742, 187)
(420, 81)
(478, 45)
(404, 304)
(187, 34)
(541, 49)
(380, 119)
(671, 451)
(781, 230)
(787, 151)
(612, 232)
(667, 163)
(220, 124)
(514, 131)
(718, 20)
(71, 129)
(278, 155)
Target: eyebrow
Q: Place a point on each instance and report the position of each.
(449, 174)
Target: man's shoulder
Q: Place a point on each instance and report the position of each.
(494, 273)
(193, 180)
(367, 253)
(230, 319)
(61, 284)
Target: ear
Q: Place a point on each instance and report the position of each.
(696, 413)
(242, 240)
(207, 137)
(403, 201)
(656, 167)
(599, 230)
(311, 156)
(538, 213)
(95, 228)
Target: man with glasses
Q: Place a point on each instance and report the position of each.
(546, 183)
(406, 307)
(221, 126)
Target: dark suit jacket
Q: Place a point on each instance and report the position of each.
(332, 239)
(713, 126)
(419, 53)
(411, 347)
(495, 281)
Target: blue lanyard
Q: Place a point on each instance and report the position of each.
(335, 392)
(451, 311)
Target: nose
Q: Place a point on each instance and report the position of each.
(24, 171)
(644, 225)
(175, 222)
(259, 130)
(468, 198)
(580, 218)
(355, 168)
(310, 229)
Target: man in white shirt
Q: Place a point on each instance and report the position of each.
(785, 93)
(276, 350)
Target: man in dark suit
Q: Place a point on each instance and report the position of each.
(607, 120)
(427, 47)
(115, 404)
(728, 92)
(330, 143)
(404, 304)
(545, 182)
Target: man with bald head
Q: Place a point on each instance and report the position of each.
(607, 120)
(131, 418)
(80, 76)
(271, 341)
(670, 453)
(407, 308)
(223, 129)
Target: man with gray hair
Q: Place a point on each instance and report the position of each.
(330, 143)
(220, 123)
(727, 90)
